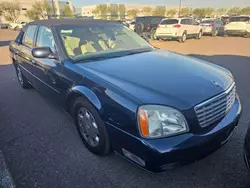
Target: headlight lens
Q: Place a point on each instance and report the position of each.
(157, 121)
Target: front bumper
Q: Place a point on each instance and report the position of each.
(168, 153)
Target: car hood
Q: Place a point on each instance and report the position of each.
(163, 77)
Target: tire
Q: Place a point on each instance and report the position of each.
(153, 35)
(139, 27)
(21, 79)
(247, 35)
(90, 127)
(183, 38)
(215, 33)
(199, 35)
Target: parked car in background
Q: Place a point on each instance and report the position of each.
(4, 26)
(225, 19)
(123, 22)
(238, 25)
(247, 149)
(132, 25)
(158, 109)
(179, 28)
(212, 27)
(146, 26)
(17, 26)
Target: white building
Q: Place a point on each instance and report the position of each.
(88, 10)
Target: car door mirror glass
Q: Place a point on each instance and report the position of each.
(43, 52)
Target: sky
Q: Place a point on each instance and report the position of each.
(189, 3)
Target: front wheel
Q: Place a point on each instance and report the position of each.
(22, 80)
(90, 127)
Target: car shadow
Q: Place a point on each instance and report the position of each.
(4, 43)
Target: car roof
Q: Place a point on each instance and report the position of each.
(57, 22)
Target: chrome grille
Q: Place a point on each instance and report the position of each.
(216, 108)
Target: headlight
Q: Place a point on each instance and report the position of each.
(160, 121)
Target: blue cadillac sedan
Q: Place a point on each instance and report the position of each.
(158, 109)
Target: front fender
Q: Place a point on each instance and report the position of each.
(87, 93)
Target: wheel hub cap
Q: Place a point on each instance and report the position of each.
(19, 75)
(88, 127)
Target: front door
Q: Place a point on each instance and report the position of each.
(47, 71)
(23, 55)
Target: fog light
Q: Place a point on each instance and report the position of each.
(133, 157)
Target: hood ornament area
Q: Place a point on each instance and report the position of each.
(217, 84)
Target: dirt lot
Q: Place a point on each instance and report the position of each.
(42, 147)
(206, 46)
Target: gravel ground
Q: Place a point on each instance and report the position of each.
(42, 148)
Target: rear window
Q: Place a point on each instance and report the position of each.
(208, 21)
(169, 21)
(240, 19)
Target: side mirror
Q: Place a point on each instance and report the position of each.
(43, 52)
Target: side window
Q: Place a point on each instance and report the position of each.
(29, 36)
(194, 22)
(189, 22)
(184, 21)
(45, 38)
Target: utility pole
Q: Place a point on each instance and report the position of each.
(53, 7)
(180, 9)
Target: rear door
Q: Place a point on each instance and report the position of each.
(167, 26)
(24, 56)
(187, 26)
(47, 71)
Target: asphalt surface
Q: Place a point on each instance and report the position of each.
(42, 148)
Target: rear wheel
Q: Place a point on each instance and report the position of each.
(153, 35)
(90, 127)
(199, 35)
(22, 80)
(215, 33)
(183, 38)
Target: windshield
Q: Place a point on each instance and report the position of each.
(100, 40)
(169, 22)
(239, 19)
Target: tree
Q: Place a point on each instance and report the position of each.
(133, 13)
(67, 12)
(234, 10)
(102, 10)
(199, 12)
(245, 11)
(159, 11)
(147, 11)
(40, 10)
(209, 11)
(184, 12)
(122, 11)
(113, 10)
(221, 11)
(10, 10)
(171, 12)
